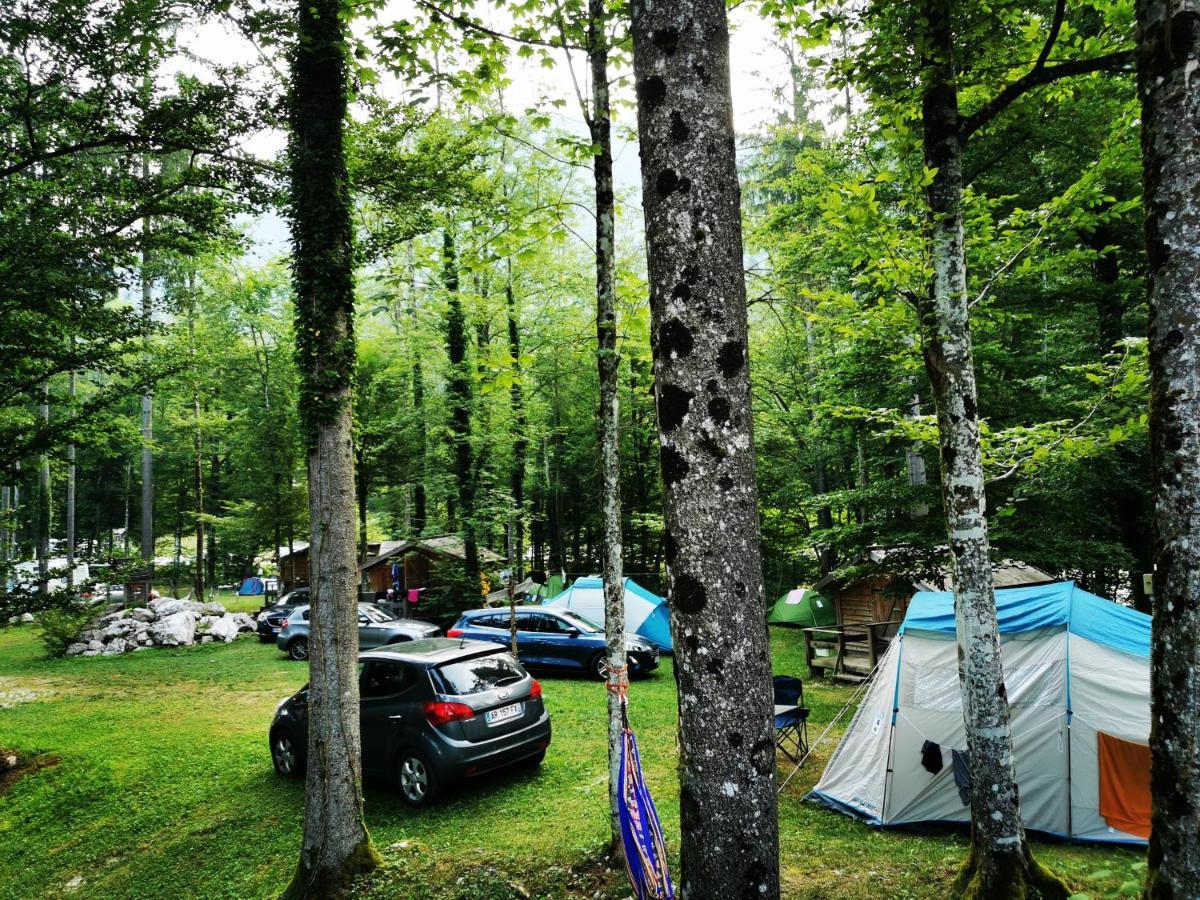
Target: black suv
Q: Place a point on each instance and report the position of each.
(434, 713)
(270, 618)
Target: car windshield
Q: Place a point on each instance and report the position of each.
(474, 676)
(374, 613)
(583, 623)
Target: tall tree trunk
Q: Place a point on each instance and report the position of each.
(419, 516)
(197, 448)
(128, 486)
(360, 468)
(1000, 862)
(147, 545)
(609, 365)
(826, 558)
(1168, 59)
(691, 201)
(460, 405)
(71, 483)
(6, 509)
(516, 477)
(214, 494)
(44, 516)
(336, 843)
(914, 462)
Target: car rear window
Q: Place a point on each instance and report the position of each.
(474, 676)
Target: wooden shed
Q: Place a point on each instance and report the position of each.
(293, 566)
(870, 599)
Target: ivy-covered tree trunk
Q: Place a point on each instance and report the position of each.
(691, 200)
(1168, 62)
(336, 843)
(460, 405)
(1000, 863)
(609, 365)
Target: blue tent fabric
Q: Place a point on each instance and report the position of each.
(1057, 605)
(252, 587)
(657, 628)
(641, 831)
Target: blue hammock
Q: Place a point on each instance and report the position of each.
(641, 833)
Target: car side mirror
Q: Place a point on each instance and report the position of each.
(572, 632)
(363, 620)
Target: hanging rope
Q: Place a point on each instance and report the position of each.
(841, 712)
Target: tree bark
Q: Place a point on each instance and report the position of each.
(516, 478)
(44, 516)
(691, 201)
(460, 405)
(1168, 58)
(336, 844)
(999, 863)
(71, 485)
(609, 366)
(147, 546)
(197, 453)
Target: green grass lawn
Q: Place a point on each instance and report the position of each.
(163, 787)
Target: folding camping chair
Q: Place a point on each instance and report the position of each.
(791, 717)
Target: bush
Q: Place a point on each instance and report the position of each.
(58, 628)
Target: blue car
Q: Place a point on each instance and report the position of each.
(553, 639)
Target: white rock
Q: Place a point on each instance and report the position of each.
(97, 646)
(206, 639)
(90, 653)
(115, 646)
(76, 649)
(225, 629)
(168, 606)
(13, 620)
(245, 622)
(174, 630)
(119, 629)
(212, 609)
(27, 617)
(142, 614)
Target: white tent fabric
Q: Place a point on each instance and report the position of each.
(1063, 688)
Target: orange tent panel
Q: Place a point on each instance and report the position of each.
(1124, 784)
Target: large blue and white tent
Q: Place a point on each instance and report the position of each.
(1077, 673)
(645, 611)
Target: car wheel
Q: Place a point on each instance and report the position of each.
(286, 755)
(415, 777)
(298, 649)
(599, 666)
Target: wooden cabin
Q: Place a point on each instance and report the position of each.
(871, 598)
(413, 558)
(293, 566)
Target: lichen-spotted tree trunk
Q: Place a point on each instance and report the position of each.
(460, 405)
(609, 365)
(1168, 67)
(520, 441)
(999, 862)
(336, 843)
(691, 201)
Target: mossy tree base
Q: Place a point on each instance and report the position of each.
(1007, 876)
(313, 883)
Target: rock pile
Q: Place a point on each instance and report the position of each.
(166, 622)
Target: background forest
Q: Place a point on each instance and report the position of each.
(136, 301)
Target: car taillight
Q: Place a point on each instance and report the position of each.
(283, 624)
(535, 690)
(454, 632)
(443, 713)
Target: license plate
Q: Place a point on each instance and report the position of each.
(503, 714)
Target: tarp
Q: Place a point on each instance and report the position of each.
(251, 587)
(1077, 678)
(645, 612)
(802, 608)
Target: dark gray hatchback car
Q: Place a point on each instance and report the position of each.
(434, 714)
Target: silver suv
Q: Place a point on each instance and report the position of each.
(375, 629)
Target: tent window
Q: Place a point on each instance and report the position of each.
(935, 687)
(1124, 784)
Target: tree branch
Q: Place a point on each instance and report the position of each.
(471, 25)
(1039, 75)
